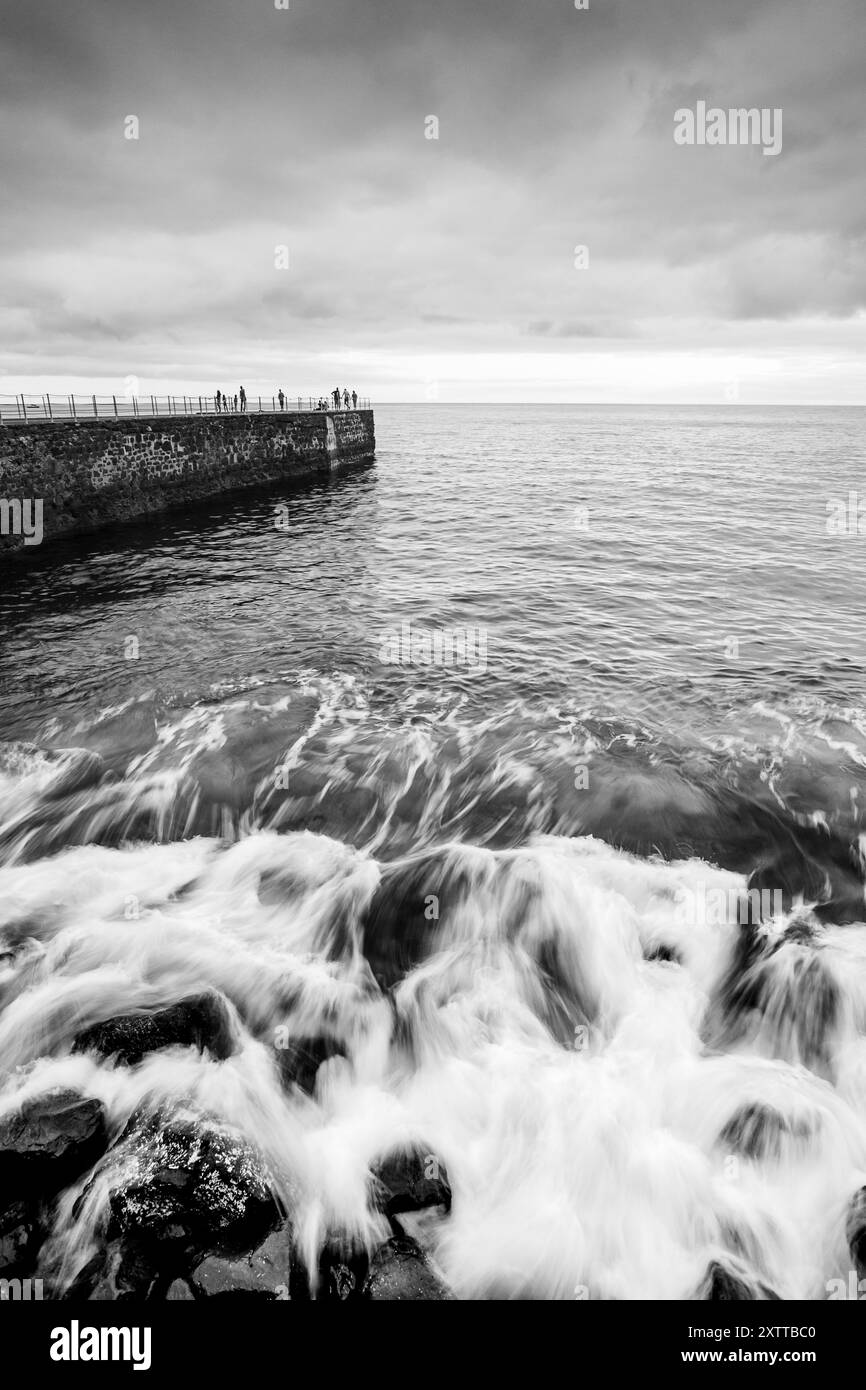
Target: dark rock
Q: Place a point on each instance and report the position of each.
(50, 1141)
(410, 1179)
(187, 1185)
(813, 864)
(201, 1021)
(299, 1062)
(759, 1131)
(399, 928)
(732, 1283)
(340, 1275)
(399, 1271)
(83, 769)
(117, 738)
(179, 1291)
(662, 953)
(784, 988)
(20, 1237)
(266, 1273)
(126, 1274)
(855, 1231)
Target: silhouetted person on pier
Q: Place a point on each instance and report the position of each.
(354, 400)
(336, 394)
(281, 398)
(243, 400)
(218, 398)
(346, 397)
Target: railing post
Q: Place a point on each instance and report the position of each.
(22, 414)
(114, 399)
(48, 398)
(72, 405)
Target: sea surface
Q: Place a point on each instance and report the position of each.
(578, 909)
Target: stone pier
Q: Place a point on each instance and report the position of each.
(79, 475)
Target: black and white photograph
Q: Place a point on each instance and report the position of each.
(432, 672)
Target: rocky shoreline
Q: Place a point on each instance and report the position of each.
(187, 1209)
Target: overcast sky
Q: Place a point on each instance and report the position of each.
(420, 268)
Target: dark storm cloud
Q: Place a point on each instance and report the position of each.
(262, 127)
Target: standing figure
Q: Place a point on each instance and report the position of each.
(243, 400)
(346, 397)
(281, 397)
(354, 400)
(218, 398)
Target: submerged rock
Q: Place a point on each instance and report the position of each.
(784, 988)
(201, 1021)
(50, 1141)
(399, 928)
(299, 1062)
(855, 1231)
(760, 1131)
(409, 1180)
(728, 1282)
(400, 1271)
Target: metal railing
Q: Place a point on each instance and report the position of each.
(75, 407)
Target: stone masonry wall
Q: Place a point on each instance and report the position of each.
(90, 473)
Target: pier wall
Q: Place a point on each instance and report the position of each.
(91, 473)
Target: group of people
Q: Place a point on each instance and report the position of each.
(224, 402)
(325, 402)
(238, 402)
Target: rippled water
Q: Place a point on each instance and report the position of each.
(512, 894)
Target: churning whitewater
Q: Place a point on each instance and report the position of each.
(621, 1081)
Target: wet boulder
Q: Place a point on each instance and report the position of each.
(400, 1271)
(761, 1131)
(784, 988)
(124, 1274)
(49, 1142)
(179, 1292)
(813, 864)
(410, 1179)
(20, 1237)
(300, 1059)
(402, 922)
(186, 1185)
(729, 1281)
(855, 1231)
(200, 1021)
(265, 1273)
(118, 738)
(339, 1276)
(78, 769)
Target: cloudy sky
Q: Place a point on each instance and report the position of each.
(432, 268)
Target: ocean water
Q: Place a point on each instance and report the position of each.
(580, 911)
